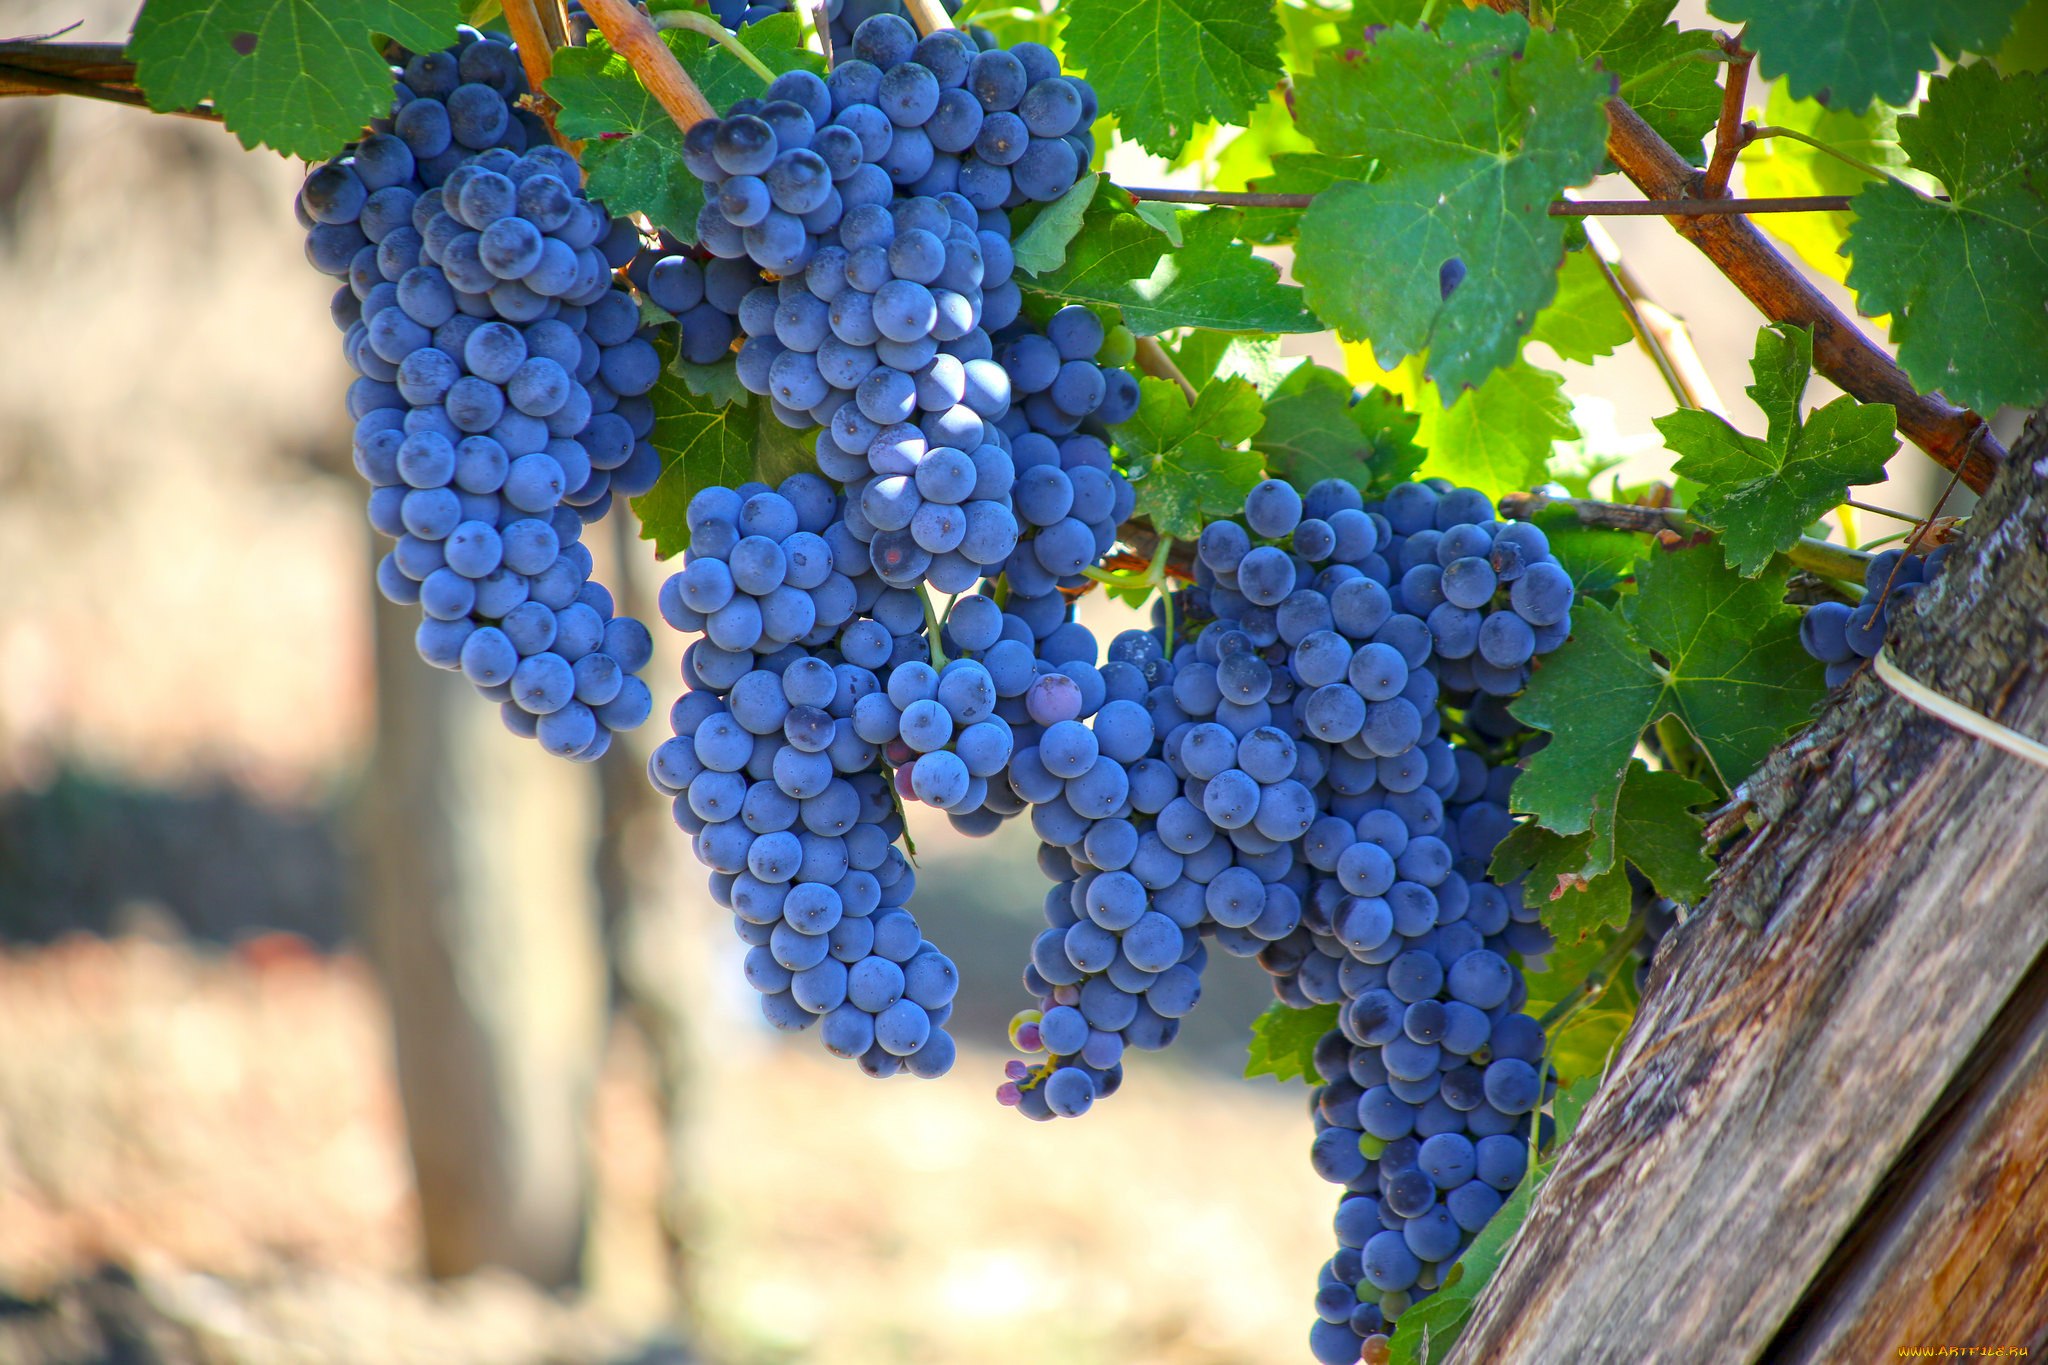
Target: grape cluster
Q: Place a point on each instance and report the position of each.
(784, 800)
(500, 402)
(1314, 774)
(846, 17)
(737, 14)
(1843, 637)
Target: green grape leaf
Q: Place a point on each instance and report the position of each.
(701, 444)
(632, 149)
(1574, 907)
(1846, 53)
(1579, 877)
(779, 450)
(1163, 66)
(1497, 437)
(1780, 166)
(1598, 560)
(1120, 260)
(1429, 1330)
(2027, 48)
(1585, 321)
(1283, 1043)
(1318, 428)
(1478, 125)
(1966, 281)
(704, 439)
(1762, 494)
(1656, 830)
(1727, 665)
(720, 382)
(300, 77)
(1182, 459)
(1250, 155)
(1163, 216)
(1042, 245)
(1204, 355)
(1678, 97)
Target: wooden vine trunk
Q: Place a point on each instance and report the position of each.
(479, 911)
(1825, 1139)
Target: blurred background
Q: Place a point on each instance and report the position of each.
(336, 1025)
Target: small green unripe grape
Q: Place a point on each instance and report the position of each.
(1119, 347)
(1371, 1146)
(1395, 1302)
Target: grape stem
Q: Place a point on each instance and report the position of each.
(931, 626)
(633, 36)
(697, 22)
(1754, 132)
(1820, 557)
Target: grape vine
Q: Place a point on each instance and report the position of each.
(848, 306)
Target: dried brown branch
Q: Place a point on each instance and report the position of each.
(1840, 350)
(96, 71)
(1815, 556)
(633, 37)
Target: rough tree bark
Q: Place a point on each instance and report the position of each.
(479, 910)
(1826, 1140)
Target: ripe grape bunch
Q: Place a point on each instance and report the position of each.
(1280, 786)
(1843, 637)
(501, 399)
(1304, 760)
(824, 690)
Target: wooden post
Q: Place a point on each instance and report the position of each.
(479, 912)
(1828, 1140)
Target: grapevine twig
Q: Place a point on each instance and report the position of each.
(1666, 331)
(95, 71)
(1820, 557)
(1920, 529)
(1153, 360)
(1878, 511)
(1684, 206)
(1652, 345)
(554, 22)
(536, 48)
(1758, 132)
(1782, 294)
(633, 37)
(1728, 131)
(698, 22)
